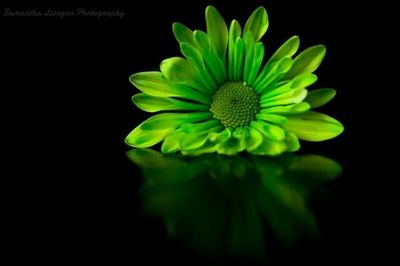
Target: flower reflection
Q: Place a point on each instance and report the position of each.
(227, 205)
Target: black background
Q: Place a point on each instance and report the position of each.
(78, 196)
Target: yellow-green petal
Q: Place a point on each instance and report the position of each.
(257, 23)
(208, 147)
(155, 84)
(153, 130)
(220, 135)
(217, 30)
(240, 134)
(272, 73)
(227, 144)
(180, 70)
(231, 146)
(171, 142)
(234, 33)
(192, 141)
(212, 60)
(258, 55)
(182, 33)
(248, 54)
(239, 60)
(200, 127)
(270, 147)
(292, 142)
(253, 138)
(202, 41)
(270, 131)
(272, 118)
(301, 81)
(154, 104)
(320, 97)
(288, 109)
(313, 126)
(290, 97)
(288, 49)
(307, 61)
(157, 127)
(194, 56)
(192, 53)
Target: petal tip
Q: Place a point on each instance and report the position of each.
(322, 48)
(129, 142)
(210, 8)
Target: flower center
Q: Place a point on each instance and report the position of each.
(235, 104)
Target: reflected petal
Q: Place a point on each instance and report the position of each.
(217, 204)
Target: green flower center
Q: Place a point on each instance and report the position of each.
(235, 104)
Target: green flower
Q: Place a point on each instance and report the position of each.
(221, 98)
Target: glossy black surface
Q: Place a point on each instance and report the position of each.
(224, 208)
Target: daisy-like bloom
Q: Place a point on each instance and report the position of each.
(221, 97)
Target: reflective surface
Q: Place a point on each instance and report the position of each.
(228, 207)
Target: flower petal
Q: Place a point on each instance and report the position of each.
(290, 97)
(196, 143)
(270, 131)
(224, 142)
(258, 55)
(307, 61)
(234, 33)
(279, 63)
(220, 136)
(288, 109)
(157, 127)
(154, 104)
(272, 118)
(240, 134)
(272, 73)
(202, 41)
(192, 141)
(313, 126)
(200, 127)
(231, 145)
(253, 138)
(192, 53)
(301, 81)
(208, 147)
(288, 49)
(269, 147)
(182, 33)
(194, 56)
(155, 84)
(292, 142)
(180, 70)
(153, 130)
(217, 30)
(320, 97)
(171, 142)
(212, 60)
(257, 23)
(239, 60)
(248, 54)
